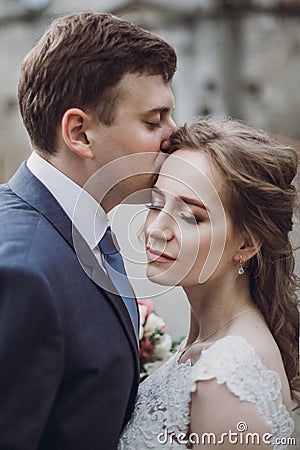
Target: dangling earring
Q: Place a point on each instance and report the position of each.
(241, 269)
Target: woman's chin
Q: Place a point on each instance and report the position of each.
(163, 278)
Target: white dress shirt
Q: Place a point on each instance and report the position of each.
(90, 218)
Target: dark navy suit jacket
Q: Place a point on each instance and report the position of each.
(69, 365)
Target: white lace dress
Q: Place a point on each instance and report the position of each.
(161, 417)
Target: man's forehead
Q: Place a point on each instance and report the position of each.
(154, 91)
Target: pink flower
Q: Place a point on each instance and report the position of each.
(146, 348)
(149, 305)
(145, 308)
(155, 343)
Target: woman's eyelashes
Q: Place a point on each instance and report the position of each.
(187, 217)
(193, 220)
(154, 206)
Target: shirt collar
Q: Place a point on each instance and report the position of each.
(83, 210)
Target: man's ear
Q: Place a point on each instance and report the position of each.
(74, 125)
(248, 248)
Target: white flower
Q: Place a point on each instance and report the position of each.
(163, 347)
(143, 312)
(153, 322)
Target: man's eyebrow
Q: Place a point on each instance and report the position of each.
(160, 110)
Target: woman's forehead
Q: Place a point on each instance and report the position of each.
(189, 172)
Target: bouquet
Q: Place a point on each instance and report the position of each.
(155, 342)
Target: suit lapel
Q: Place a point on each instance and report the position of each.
(26, 186)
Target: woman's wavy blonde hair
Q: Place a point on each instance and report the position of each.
(258, 173)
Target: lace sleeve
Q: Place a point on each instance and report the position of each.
(233, 361)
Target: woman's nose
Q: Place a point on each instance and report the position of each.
(162, 227)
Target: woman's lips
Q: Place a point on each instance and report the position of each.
(158, 256)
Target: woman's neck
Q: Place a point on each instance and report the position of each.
(215, 303)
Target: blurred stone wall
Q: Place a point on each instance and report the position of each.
(236, 57)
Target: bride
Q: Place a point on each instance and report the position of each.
(218, 225)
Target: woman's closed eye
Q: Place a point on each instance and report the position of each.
(191, 219)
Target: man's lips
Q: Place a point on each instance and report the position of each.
(157, 256)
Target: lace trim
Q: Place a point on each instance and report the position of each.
(233, 361)
(163, 402)
(162, 409)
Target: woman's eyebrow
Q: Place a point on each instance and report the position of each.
(193, 201)
(183, 198)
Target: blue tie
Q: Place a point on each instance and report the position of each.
(116, 271)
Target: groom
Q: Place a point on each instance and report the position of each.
(93, 90)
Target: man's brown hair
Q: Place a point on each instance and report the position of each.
(78, 62)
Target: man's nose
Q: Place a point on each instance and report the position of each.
(166, 143)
